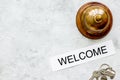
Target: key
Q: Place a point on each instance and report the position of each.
(96, 74)
(109, 73)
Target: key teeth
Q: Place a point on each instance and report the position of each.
(91, 78)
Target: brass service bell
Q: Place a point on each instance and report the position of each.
(94, 20)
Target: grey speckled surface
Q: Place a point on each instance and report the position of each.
(31, 31)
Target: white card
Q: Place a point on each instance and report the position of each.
(82, 55)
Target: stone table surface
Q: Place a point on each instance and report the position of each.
(32, 31)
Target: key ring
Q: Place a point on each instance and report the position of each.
(104, 65)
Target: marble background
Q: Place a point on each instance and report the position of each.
(32, 31)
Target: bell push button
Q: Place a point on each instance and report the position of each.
(94, 20)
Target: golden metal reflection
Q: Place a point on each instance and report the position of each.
(94, 20)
